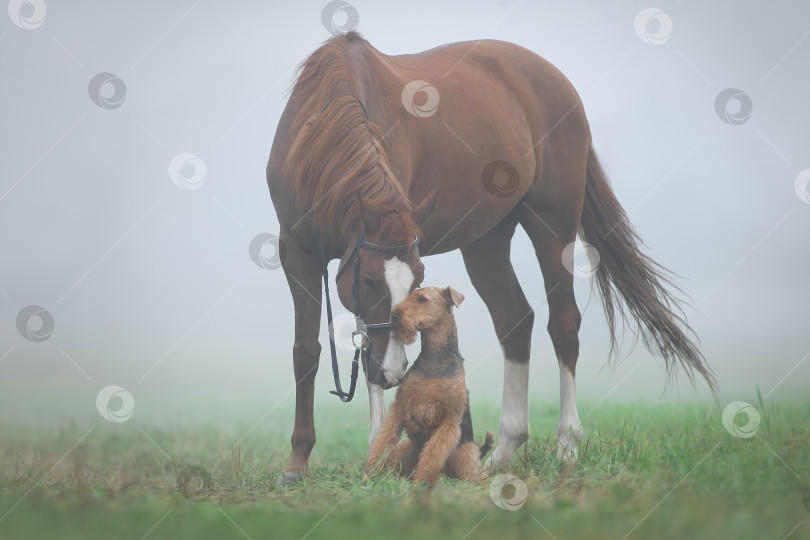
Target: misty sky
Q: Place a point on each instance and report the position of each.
(150, 283)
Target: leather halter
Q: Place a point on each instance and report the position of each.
(362, 329)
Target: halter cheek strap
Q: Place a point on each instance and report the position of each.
(344, 396)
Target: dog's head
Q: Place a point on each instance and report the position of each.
(424, 309)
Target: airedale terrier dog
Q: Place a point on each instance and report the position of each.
(432, 403)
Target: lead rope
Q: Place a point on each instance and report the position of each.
(344, 397)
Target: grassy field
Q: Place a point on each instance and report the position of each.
(662, 471)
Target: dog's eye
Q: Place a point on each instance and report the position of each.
(422, 299)
(369, 282)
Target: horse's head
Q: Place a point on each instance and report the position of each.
(388, 267)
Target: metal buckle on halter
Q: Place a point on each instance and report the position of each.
(363, 339)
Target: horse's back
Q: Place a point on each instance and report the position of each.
(541, 87)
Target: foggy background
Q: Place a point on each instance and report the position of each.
(151, 286)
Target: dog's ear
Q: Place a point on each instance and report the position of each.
(453, 296)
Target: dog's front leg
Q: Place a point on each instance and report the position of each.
(436, 451)
(387, 439)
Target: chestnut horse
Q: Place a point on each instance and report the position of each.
(454, 147)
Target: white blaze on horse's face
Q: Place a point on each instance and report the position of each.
(399, 278)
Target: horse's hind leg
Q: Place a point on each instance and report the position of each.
(487, 262)
(550, 214)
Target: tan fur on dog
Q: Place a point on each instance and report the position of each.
(432, 398)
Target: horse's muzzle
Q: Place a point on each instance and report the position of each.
(388, 384)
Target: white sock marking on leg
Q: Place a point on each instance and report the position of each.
(375, 411)
(569, 430)
(514, 427)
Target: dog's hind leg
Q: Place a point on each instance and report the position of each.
(465, 463)
(387, 439)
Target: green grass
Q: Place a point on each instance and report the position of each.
(662, 471)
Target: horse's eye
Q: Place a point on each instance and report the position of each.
(422, 299)
(369, 282)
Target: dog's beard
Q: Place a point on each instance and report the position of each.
(406, 331)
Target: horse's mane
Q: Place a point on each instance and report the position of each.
(342, 154)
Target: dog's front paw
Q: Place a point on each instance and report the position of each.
(372, 466)
(425, 475)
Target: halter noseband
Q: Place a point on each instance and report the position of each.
(362, 329)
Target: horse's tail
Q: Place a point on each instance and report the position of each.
(625, 273)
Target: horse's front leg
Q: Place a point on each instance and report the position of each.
(376, 410)
(387, 439)
(302, 266)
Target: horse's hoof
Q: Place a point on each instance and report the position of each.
(288, 478)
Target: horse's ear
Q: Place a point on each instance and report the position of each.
(371, 220)
(426, 207)
(453, 295)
